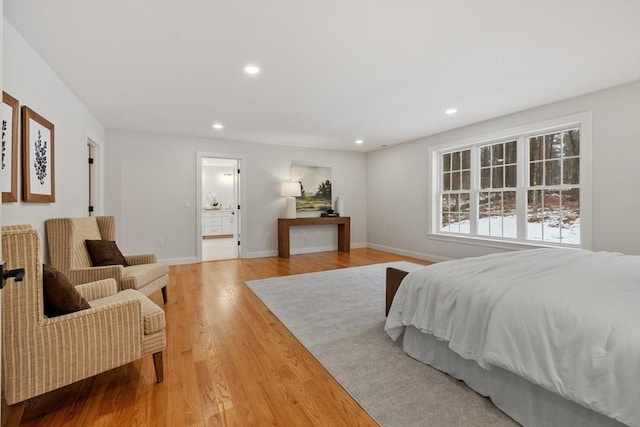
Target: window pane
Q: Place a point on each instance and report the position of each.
(570, 221)
(485, 178)
(453, 203)
(510, 152)
(445, 203)
(497, 178)
(454, 224)
(509, 202)
(552, 215)
(571, 171)
(483, 224)
(535, 148)
(534, 214)
(495, 203)
(466, 159)
(495, 225)
(552, 172)
(463, 201)
(483, 202)
(446, 181)
(483, 213)
(465, 223)
(446, 162)
(497, 154)
(571, 145)
(510, 176)
(455, 161)
(509, 221)
(455, 180)
(466, 180)
(553, 145)
(485, 156)
(536, 173)
(445, 221)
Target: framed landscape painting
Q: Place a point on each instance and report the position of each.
(9, 164)
(38, 166)
(316, 187)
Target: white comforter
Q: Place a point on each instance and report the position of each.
(566, 320)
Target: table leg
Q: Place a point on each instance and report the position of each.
(283, 240)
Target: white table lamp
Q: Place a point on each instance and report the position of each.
(290, 190)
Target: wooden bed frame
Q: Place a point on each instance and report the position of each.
(394, 278)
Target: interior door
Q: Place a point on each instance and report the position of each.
(236, 209)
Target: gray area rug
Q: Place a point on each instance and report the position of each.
(338, 315)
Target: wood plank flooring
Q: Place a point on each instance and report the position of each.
(229, 361)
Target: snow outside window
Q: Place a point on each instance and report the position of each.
(523, 188)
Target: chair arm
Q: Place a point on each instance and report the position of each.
(107, 310)
(141, 259)
(90, 341)
(96, 290)
(79, 276)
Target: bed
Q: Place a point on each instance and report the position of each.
(551, 336)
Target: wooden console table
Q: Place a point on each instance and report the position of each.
(344, 231)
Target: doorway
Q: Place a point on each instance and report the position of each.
(219, 195)
(93, 178)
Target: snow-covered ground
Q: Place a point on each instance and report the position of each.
(507, 226)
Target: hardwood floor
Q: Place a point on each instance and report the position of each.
(229, 361)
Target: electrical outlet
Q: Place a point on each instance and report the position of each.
(160, 241)
(269, 236)
(187, 203)
(384, 232)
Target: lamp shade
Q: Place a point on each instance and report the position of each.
(290, 189)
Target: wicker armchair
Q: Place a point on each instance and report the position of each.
(40, 354)
(66, 238)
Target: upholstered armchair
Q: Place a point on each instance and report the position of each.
(42, 353)
(68, 253)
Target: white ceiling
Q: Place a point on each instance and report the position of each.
(333, 71)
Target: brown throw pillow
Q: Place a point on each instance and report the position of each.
(105, 252)
(60, 296)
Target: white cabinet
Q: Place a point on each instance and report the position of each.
(228, 219)
(217, 222)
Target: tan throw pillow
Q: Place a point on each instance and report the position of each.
(105, 252)
(59, 295)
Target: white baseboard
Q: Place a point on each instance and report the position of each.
(274, 252)
(179, 261)
(419, 255)
(261, 254)
(359, 245)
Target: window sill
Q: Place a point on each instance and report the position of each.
(495, 243)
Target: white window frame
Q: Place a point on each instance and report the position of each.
(581, 120)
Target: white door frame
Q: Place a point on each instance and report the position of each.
(1, 87)
(241, 216)
(97, 178)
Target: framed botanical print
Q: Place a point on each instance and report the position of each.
(38, 165)
(9, 164)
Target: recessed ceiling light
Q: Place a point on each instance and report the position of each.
(252, 69)
(217, 126)
(359, 141)
(451, 111)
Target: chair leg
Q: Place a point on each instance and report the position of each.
(157, 363)
(164, 294)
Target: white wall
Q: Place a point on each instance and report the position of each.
(215, 181)
(397, 219)
(149, 177)
(29, 79)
